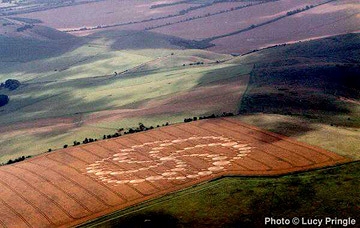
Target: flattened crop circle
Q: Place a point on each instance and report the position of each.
(168, 160)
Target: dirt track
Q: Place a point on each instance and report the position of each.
(74, 185)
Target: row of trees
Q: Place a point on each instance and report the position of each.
(183, 12)
(224, 114)
(299, 10)
(180, 13)
(19, 159)
(193, 64)
(169, 4)
(118, 133)
(141, 127)
(121, 131)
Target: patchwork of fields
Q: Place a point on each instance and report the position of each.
(91, 101)
(87, 69)
(235, 27)
(340, 17)
(74, 185)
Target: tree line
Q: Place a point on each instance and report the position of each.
(19, 159)
(212, 116)
(121, 131)
(140, 128)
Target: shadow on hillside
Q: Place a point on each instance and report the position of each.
(19, 53)
(305, 104)
(224, 75)
(48, 106)
(287, 128)
(137, 40)
(25, 50)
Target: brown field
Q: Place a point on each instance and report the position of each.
(232, 21)
(217, 24)
(106, 14)
(199, 12)
(331, 19)
(334, 18)
(74, 185)
(102, 13)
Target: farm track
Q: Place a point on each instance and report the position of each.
(74, 185)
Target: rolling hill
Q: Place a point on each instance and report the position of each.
(315, 78)
(232, 27)
(160, 85)
(24, 42)
(79, 77)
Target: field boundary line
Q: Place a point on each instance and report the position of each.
(209, 15)
(210, 39)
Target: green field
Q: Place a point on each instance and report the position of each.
(245, 202)
(75, 94)
(60, 94)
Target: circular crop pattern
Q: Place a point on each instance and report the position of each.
(178, 159)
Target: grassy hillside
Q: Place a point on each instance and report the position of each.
(49, 55)
(313, 79)
(77, 94)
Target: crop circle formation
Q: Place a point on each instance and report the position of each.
(169, 156)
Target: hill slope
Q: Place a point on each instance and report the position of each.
(22, 42)
(311, 78)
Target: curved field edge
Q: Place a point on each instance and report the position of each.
(246, 201)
